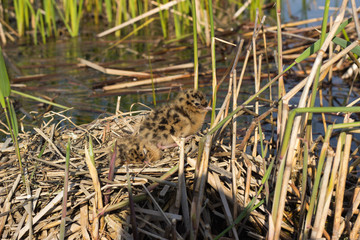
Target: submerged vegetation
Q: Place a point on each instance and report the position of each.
(291, 173)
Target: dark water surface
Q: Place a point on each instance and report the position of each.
(80, 87)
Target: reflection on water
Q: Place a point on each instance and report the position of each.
(56, 74)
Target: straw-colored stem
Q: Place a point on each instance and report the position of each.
(279, 200)
(233, 146)
(66, 184)
(195, 43)
(199, 189)
(214, 80)
(316, 80)
(340, 188)
(329, 191)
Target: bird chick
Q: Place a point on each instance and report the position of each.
(182, 118)
(130, 149)
(136, 151)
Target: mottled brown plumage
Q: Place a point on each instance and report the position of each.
(182, 118)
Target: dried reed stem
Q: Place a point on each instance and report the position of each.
(278, 210)
(138, 18)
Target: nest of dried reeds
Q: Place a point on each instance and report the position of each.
(158, 196)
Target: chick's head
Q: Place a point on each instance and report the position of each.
(193, 100)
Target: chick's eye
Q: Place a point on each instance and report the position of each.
(197, 104)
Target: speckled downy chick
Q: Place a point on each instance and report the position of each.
(130, 149)
(182, 118)
(136, 151)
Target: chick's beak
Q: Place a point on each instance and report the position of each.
(208, 108)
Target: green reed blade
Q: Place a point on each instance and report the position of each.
(177, 22)
(108, 10)
(163, 21)
(13, 119)
(345, 35)
(316, 46)
(65, 21)
(40, 99)
(343, 43)
(50, 17)
(4, 81)
(133, 9)
(251, 205)
(78, 17)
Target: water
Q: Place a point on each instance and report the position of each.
(80, 87)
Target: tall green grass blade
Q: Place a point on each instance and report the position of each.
(13, 119)
(40, 99)
(343, 43)
(163, 21)
(316, 46)
(119, 15)
(67, 14)
(196, 64)
(345, 35)
(293, 113)
(19, 14)
(50, 17)
(39, 24)
(4, 80)
(133, 9)
(177, 22)
(251, 206)
(108, 9)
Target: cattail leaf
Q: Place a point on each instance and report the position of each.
(343, 43)
(4, 80)
(316, 46)
(13, 119)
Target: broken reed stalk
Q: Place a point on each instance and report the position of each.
(140, 197)
(131, 203)
(340, 187)
(228, 216)
(281, 87)
(181, 195)
(317, 75)
(255, 79)
(142, 16)
(199, 187)
(111, 172)
(292, 117)
(283, 177)
(195, 45)
(213, 61)
(233, 147)
(7, 203)
(66, 184)
(322, 193)
(98, 221)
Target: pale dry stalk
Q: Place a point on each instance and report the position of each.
(322, 192)
(289, 156)
(233, 147)
(340, 188)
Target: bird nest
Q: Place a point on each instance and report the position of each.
(146, 200)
